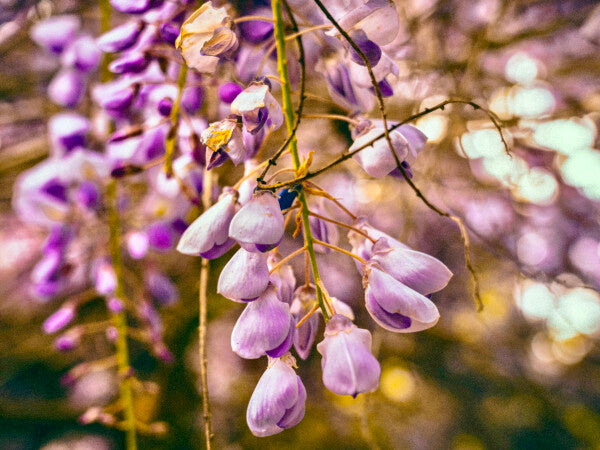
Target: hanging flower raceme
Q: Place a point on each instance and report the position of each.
(278, 400)
(266, 327)
(258, 107)
(348, 366)
(208, 235)
(205, 37)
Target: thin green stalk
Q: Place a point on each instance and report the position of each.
(286, 96)
(105, 11)
(203, 326)
(119, 321)
(174, 118)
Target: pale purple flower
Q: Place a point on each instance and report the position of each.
(67, 131)
(278, 400)
(419, 271)
(264, 327)
(131, 6)
(83, 54)
(377, 159)
(244, 277)
(120, 38)
(370, 49)
(88, 195)
(161, 288)
(115, 305)
(258, 108)
(55, 33)
(208, 235)
(137, 244)
(66, 88)
(259, 224)
(257, 31)
(105, 279)
(395, 306)
(305, 298)
(130, 62)
(224, 137)
(114, 96)
(205, 36)
(59, 319)
(349, 367)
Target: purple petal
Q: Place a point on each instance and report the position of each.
(260, 221)
(264, 325)
(245, 276)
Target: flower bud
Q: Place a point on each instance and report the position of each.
(370, 49)
(60, 319)
(348, 366)
(278, 400)
(303, 302)
(161, 288)
(160, 236)
(259, 225)
(264, 327)
(244, 277)
(229, 91)
(131, 62)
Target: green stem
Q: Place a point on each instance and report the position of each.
(286, 96)
(119, 321)
(172, 136)
(105, 13)
(203, 325)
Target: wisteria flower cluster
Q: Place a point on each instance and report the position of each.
(178, 130)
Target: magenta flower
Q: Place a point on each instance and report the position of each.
(208, 235)
(419, 271)
(395, 306)
(259, 225)
(278, 400)
(244, 277)
(348, 366)
(266, 327)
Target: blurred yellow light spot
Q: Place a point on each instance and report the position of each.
(468, 326)
(397, 384)
(541, 347)
(537, 186)
(499, 103)
(566, 136)
(520, 68)
(466, 441)
(583, 423)
(571, 351)
(434, 126)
